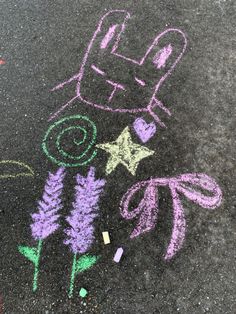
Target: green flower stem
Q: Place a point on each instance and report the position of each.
(72, 277)
(36, 267)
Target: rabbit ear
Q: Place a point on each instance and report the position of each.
(164, 53)
(109, 29)
(113, 25)
(105, 38)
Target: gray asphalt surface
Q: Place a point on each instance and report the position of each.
(43, 43)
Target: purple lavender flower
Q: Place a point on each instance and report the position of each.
(45, 222)
(80, 235)
(88, 190)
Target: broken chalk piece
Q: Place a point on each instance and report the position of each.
(83, 292)
(118, 255)
(106, 237)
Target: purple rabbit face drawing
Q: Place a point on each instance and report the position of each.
(101, 82)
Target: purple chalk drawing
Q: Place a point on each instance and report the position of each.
(147, 210)
(85, 209)
(96, 69)
(117, 96)
(141, 82)
(45, 222)
(162, 56)
(80, 235)
(144, 130)
(109, 35)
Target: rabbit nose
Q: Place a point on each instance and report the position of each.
(116, 86)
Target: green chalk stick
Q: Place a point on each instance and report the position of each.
(83, 292)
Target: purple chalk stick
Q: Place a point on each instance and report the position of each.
(118, 255)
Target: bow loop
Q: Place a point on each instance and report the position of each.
(205, 183)
(197, 187)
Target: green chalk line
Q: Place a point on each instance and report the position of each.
(78, 266)
(36, 267)
(61, 134)
(72, 277)
(33, 255)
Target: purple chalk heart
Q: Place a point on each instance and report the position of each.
(144, 130)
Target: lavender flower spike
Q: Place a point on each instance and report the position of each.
(80, 235)
(45, 222)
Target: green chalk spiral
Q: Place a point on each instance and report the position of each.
(53, 141)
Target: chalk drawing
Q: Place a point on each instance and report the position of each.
(105, 45)
(109, 35)
(59, 133)
(116, 87)
(45, 222)
(162, 56)
(80, 234)
(6, 165)
(141, 82)
(96, 69)
(124, 151)
(144, 130)
(187, 184)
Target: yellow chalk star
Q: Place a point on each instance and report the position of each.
(124, 151)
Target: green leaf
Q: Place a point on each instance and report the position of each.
(28, 252)
(85, 262)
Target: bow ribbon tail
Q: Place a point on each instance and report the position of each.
(179, 225)
(148, 207)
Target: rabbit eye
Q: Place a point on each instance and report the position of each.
(96, 69)
(140, 82)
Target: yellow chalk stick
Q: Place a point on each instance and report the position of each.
(106, 237)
